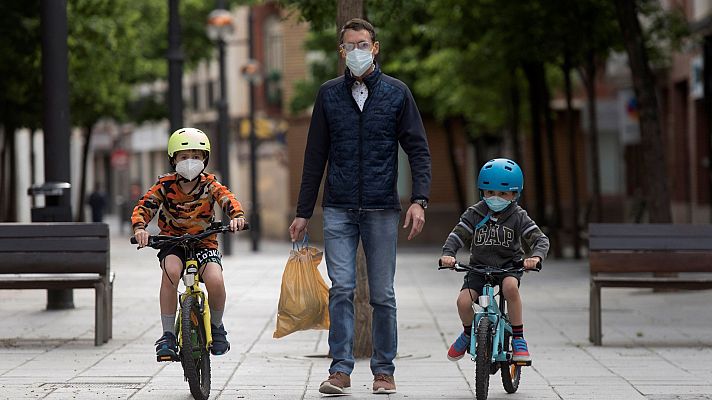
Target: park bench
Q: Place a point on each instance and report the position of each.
(60, 255)
(646, 256)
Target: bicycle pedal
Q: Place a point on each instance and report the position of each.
(522, 363)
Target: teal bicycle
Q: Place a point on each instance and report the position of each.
(491, 330)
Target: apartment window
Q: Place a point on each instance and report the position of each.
(195, 97)
(274, 55)
(212, 93)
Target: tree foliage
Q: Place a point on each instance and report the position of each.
(113, 44)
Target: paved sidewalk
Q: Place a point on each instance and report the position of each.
(656, 345)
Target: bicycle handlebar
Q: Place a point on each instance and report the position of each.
(156, 241)
(483, 269)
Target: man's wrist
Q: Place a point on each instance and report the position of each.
(421, 202)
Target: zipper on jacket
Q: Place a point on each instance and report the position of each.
(360, 160)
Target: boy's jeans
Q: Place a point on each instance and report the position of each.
(378, 229)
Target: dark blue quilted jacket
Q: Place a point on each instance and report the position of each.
(361, 147)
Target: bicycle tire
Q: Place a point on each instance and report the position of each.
(512, 373)
(483, 358)
(195, 357)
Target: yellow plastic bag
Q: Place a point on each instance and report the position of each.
(304, 299)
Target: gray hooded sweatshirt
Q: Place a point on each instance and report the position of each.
(497, 240)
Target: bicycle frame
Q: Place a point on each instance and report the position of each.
(496, 313)
(191, 281)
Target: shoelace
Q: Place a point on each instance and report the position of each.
(519, 345)
(383, 377)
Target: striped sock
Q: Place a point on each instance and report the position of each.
(518, 331)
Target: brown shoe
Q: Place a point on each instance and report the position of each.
(338, 383)
(384, 384)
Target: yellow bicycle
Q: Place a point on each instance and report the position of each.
(193, 319)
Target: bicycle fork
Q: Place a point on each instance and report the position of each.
(192, 288)
(498, 325)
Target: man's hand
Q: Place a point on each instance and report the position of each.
(236, 224)
(416, 215)
(531, 262)
(141, 237)
(298, 228)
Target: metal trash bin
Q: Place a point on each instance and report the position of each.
(57, 209)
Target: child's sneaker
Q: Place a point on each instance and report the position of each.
(459, 347)
(166, 347)
(520, 352)
(220, 344)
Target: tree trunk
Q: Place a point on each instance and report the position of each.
(9, 181)
(457, 178)
(346, 10)
(555, 220)
(363, 340)
(83, 178)
(514, 116)
(588, 75)
(571, 127)
(655, 178)
(3, 175)
(535, 111)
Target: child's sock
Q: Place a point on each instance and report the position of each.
(518, 331)
(168, 322)
(467, 329)
(216, 317)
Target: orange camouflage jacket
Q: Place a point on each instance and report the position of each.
(180, 213)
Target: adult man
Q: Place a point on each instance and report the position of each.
(358, 121)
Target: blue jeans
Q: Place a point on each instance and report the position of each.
(378, 230)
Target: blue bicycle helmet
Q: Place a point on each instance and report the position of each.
(501, 174)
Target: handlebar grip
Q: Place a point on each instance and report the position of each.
(133, 240)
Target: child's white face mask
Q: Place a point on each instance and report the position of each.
(190, 168)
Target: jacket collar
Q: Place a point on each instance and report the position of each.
(370, 80)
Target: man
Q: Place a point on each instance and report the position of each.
(358, 121)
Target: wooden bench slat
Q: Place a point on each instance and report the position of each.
(53, 229)
(49, 281)
(654, 230)
(53, 244)
(652, 282)
(54, 263)
(660, 243)
(611, 262)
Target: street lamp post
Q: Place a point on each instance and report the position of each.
(219, 28)
(251, 72)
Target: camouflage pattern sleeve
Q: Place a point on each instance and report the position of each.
(461, 235)
(226, 199)
(147, 207)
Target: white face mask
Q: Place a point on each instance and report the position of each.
(359, 61)
(190, 168)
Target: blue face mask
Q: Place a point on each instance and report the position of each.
(496, 203)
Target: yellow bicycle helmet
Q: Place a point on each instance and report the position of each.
(188, 139)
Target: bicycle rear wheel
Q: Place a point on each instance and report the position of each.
(512, 373)
(194, 354)
(483, 358)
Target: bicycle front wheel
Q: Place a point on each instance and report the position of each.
(194, 353)
(483, 358)
(512, 373)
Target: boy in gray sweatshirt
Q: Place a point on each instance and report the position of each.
(494, 229)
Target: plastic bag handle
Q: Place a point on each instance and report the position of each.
(300, 245)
